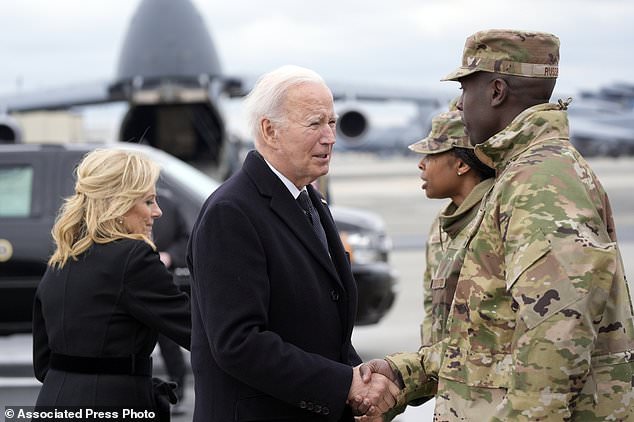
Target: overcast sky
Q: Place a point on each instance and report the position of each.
(46, 43)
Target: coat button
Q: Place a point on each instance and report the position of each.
(334, 295)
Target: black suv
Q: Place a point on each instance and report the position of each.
(35, 178)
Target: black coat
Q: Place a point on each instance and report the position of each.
(272, 314)
(112, 301)
(170, 231)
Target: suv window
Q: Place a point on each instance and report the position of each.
(16, 188)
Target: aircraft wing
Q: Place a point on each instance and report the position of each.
(372, 93)
(356, 128)
(59, 98)
(359, 92)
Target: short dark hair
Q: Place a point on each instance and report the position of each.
(468, 156)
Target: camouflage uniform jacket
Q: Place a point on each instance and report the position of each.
(444, 257)
(541, 326)
(437, 240)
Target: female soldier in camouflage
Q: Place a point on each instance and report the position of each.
(449, 169)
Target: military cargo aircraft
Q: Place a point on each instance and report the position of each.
(170, 76)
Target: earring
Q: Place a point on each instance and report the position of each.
(459, 173)
(120, 221)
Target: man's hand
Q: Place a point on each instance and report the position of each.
(374, 397)
(379, 366)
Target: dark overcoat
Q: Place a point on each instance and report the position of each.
(170, 231)
(272, 312)
(112, 302)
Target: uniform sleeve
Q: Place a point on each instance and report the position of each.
(151, 296)
(418, 389)
(560, 264)
(425, 326)
(41, 349)
(419, 372)
(432, 248)
(232, 294)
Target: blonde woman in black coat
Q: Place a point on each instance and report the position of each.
(106, 295)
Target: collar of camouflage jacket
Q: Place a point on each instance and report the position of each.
(533, 125)
(453, 220)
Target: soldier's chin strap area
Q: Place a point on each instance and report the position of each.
(563, 104)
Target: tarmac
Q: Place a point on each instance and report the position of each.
(391, 188)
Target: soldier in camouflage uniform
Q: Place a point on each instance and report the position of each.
(541, 327)
(449, 169)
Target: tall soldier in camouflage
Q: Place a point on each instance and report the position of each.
(541, 326)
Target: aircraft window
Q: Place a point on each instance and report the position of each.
(16, 187)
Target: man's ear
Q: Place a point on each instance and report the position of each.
(500, 91)
(269, 133)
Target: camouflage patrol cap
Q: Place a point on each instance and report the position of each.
(510, 52)
(447, 132)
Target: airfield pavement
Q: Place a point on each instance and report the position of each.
(389, 186)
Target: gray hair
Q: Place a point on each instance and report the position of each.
(267, 96)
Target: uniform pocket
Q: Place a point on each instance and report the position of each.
(546, 276)
(524, 257)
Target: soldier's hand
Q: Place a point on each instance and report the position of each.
(379, 366)
(374, 397)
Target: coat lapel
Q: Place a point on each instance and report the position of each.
(339, 255)
(283, 204)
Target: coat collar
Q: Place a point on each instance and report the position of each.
(284, 205)
(454, 219)
(533, 125)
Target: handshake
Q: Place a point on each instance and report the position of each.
(374, 390)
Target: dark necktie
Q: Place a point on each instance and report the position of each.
(313, 217)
